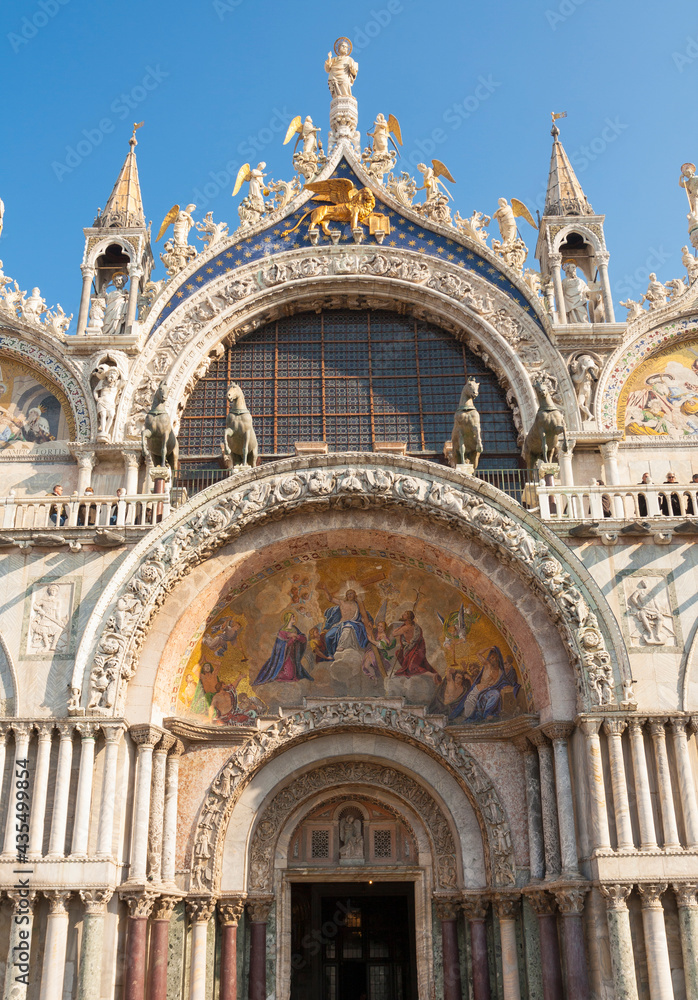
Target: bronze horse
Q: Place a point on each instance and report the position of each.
(466, 440)
(542, 439)
(239, 444)
(158, 437)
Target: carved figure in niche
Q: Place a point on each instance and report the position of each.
(466, 440)
(575, 293)
(47, 623)
(116, 306)
(239, 445)
(285, 664)
(105, 395)
(351, 837)
(653, 620)
(585, 372)
(341, 69)
(542, 440)
(158, 439)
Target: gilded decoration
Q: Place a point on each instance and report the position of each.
(33, 410)
(660, 399)
(342, 625)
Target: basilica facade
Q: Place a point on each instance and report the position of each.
(348, 630)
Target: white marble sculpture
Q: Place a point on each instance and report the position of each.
(105, 394)
(213, 232)
(351, 838)
(475, 226)
(116, 306)
(341, 69)
(585, 372)
(634, 309)
(97, 308)
(689, 182)
(656, 293)
(690, 262)
(177, 251)
(33, 307)
(252, 207)
(57, 321)
(310, 156)
(652, 619)
(575, 292)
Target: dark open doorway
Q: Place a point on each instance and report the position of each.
(353, 941)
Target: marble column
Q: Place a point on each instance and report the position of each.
(536, 849)
(571, 904)
(475, 908)
(159, 937)
(600, 835)
(258, 910)
(648, 837)
(230, 910)
(620, 940)
(157, 807)
(61, 792)
(507, 910)
(86, 463)
(134, 273)
(559, 733)
(140, 904)
(55, 944)
(666, 797)
(544, 907)
(22, 734)
(145, 738)
(688, 922)
(447, 910)
(555, 261)
(105, 830)
(92, 945)
(656, 947)
(132, 464)
(621, 806)
(609, 456)
(20, 941)
(88, 274)
(602, 258)
(81, 826)
(40, 790)
(200, 910)
(687, 781)
(169, 833)
(551, 837)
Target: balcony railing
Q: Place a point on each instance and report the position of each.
(46, 513)
(621, 503)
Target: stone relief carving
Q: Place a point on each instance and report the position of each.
(650, 615)
(226, 788)
(339, 774)
(351, 837)
(344, 486)
(49, 618)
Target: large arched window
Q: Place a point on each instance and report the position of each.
(351, 378)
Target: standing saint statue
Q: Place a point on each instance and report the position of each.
(575, 292)
(116, 306)
(351, 838)
(341, 69)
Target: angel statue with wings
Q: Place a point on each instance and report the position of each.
(380, 158)
(511, 248)
(311, 156)
(347, 204)
(435, 206)
(252, 207)
(177, 251)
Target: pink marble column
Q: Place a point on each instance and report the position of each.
(140, 905)
(229, 912)
(258, 910)
(159, 935)
(475, 908)
(543, 905)
(447, 909)
(571, 904)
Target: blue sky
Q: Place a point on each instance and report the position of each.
(217, 81)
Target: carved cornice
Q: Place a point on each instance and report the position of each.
(270, 823)
(335, 718)
(222, 512)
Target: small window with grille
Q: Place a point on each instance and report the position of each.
(320, 844)
(382, 844)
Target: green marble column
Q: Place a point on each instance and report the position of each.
(620, 941)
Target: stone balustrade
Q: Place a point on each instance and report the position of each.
(47, 513)
(617, 503)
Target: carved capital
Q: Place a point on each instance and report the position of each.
(87, 730)
(44, 731)
(95, 900)
(145, 736)
(139, 901)
(230, 910)
(163, 907)
(614, 727)
(22, 731)
(590, 727)
(571, 900)
(131, 460)
(86, 460)
(176, 750)
(616, 895)
(58, 899)
(679, 726)
(636, 725)
(475, 907)
(259, 908)
(523, 745)
(651, 894)
(558, 730)
(542, 903)
(167, 741)
(538, 738)
(447, 907)
(112, 733)
(609, 449)
(657, 730)
(507, 905)
(555, 259)
(200, 908)
(22, 900)
(686, 894)
(65, 730)
(602, 257)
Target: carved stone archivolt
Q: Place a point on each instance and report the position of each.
(238, 302)
(335, 718)
(261, 864)
(222, 512)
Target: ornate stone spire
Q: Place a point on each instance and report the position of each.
(124, 209)
(564, 195)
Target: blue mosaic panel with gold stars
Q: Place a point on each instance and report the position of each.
(405, 233)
